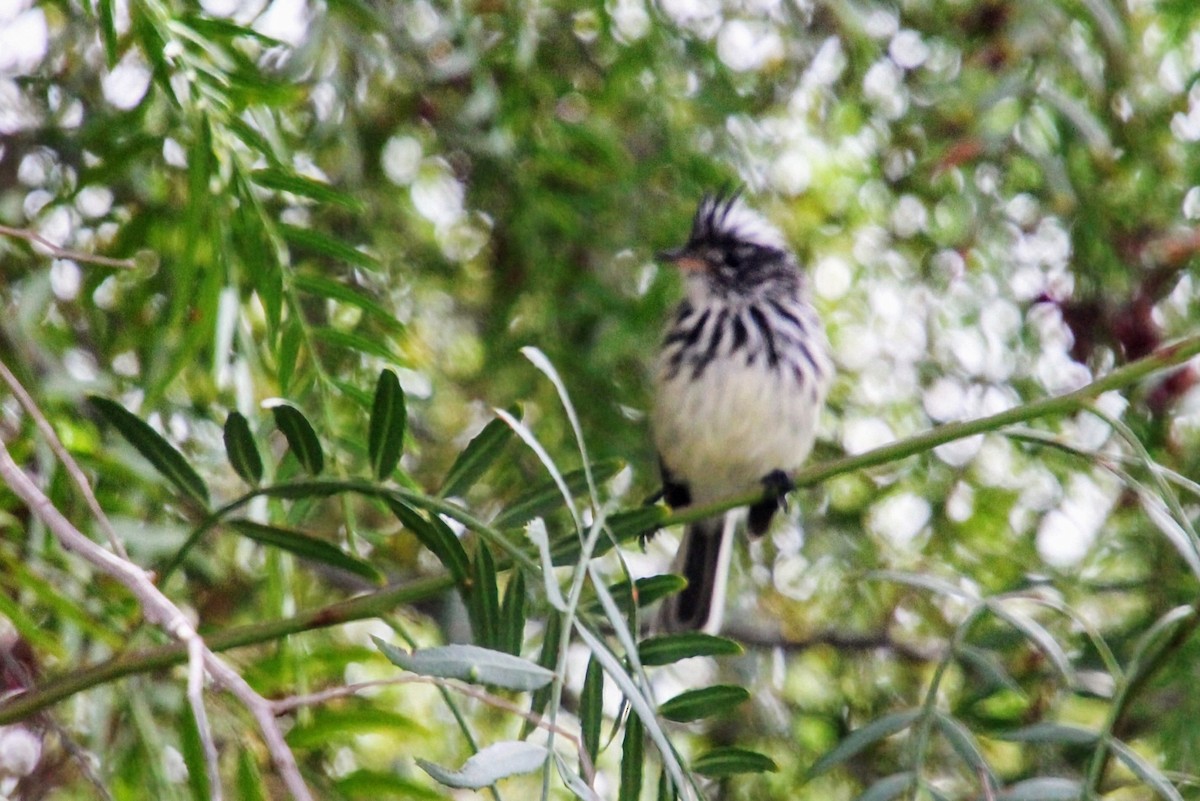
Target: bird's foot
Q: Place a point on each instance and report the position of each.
(776, 485)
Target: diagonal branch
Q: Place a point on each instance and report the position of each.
(1163, 358)
(160, 611)
(68, 462)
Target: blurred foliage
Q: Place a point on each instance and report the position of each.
(995, 202)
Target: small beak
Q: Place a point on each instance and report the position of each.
(682, 259)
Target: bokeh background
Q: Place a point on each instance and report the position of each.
(994, 202)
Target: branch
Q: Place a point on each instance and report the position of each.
(64, 686)
(762, 637)
(1165, 357)
(69, 464)
(158, 609)
(62, 253)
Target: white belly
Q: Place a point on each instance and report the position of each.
(723, 431)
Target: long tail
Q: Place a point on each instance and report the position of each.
(703, 560)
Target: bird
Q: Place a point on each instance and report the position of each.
(741, 377)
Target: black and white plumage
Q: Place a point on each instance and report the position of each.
(740, 382)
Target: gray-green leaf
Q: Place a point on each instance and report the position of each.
(493, 763)
(470, 663)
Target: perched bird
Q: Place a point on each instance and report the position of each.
(740, 382)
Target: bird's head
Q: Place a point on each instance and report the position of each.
(732, 248)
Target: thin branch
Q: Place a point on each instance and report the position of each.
(158, 609)
(69, 464)
(195, 696)
(63, 253)
(761, 637)
(1163, 358)
(161, 657)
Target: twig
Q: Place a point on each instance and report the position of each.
(63, 253)
(284, 705)
(195, 696)
(759, 637)
(158, 609)
(69, 464)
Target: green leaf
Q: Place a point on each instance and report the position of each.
(1049, 788)
(338, 724)
(301, 437)
(491, 764)
(288, 354)
(591, 709)
(385, 437)
(383, 784)
(302, 490)
(666, 791)
(108, 29)
(327, 288)
(241, 449)
(150, 444)
(633, 756)
(483, 598)
(435, 535)
(1036, 633)
(988, 666)
(547, 659)
(965, 745)
(728, 761)
(325, 245)
(1049, 733)
(668, 648)
(192, 751)
(481, 452)
(512, 615)
(888, 787)
(306, 547)
(356, 343)
(470, 663)
(649, 590)
(1151, 775)
(703, 703)
(863, 738)
(287, 181)
(545, 497)
(250, 784)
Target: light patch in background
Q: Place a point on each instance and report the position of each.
(65, 279)
(630, 19)
(899, 518)
(126, 85)
(1067, 533)
(401, 159)
(285, 20)
(93, 201)
(908, 49)
(436, 194)
(1191, 203)
(745, 46)
(792, 172)
(832, 277)
(23, 39)
(865, 433)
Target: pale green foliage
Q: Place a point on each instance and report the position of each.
(995, 203)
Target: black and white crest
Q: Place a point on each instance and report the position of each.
(724, 221)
